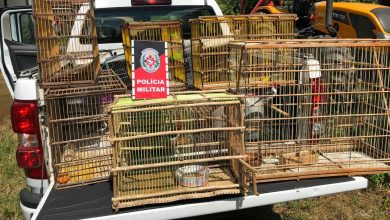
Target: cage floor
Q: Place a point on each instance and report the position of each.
(89, 167)
(213, 86)
(162, 187)
(177, 86)
(328, 163)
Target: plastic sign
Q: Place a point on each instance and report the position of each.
(150, 70)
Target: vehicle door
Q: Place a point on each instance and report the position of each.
(17, 50)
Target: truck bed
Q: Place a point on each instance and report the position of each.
(95, 200)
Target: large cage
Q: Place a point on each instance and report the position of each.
(314, 108)
(78, 130)
(167, 31)
(67, 44)
(187, 146)
(210, 36)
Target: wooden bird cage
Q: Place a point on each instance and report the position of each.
(78, 130)
(61, 26)
(210, 36)
(167, 31)
(314, 108)
(185, 147)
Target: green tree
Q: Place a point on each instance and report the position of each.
(232, 7)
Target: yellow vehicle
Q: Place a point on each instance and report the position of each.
(354, 20)
(271, 10)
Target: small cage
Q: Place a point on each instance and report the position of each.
(117, 63)
(314, 108)
(78, 130)
(167, 31)
(61, 26)
(210, 36)
(187, 146)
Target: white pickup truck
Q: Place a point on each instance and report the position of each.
(41, 200)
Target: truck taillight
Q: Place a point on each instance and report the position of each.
(24, 117)
(29, 158)
(29, 155)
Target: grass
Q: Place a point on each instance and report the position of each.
(12, 178)
(371, 203)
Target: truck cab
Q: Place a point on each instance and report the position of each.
(40, 200)
(354, 20)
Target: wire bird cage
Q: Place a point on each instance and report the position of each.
(185, 147)
(78, 130)
(61, 25)
(168, 31)
(210, 36)
(314, 108)
(117, 63)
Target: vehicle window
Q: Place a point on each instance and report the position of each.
(383, 15)
(27, 32)
(109, 21)
(22, 28)
(263, 11)
(341, 16)
(363, 26)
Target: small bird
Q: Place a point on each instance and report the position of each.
(56, 24)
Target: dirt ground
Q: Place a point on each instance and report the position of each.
(5, 99)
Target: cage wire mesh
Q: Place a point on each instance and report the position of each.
(210, 36)
(314, 108)
(117, 63)
(61, 25)
(78, 130)
(168, 31)
(187, 146)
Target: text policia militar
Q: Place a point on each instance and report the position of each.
(154, 82)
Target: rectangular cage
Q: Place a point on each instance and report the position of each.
(117, 63)
(187, 146)
(78, 130)
(314, 108)
(61, 26)
(167, 31)
(210, 36)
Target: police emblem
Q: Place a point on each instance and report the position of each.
(150, 60)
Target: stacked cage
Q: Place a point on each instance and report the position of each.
(166, 31)
(185, 147)
(210, 36)
(314, 108)
(78, 130)
(62, 61)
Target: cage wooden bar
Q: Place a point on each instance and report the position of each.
(314, 108)
(210, 36)
(68, 52)
(78, 130)
(185, 147)
(167, 31)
